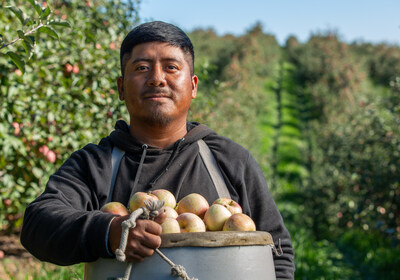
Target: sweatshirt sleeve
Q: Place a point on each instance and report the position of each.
(63, 225)
(267, 217)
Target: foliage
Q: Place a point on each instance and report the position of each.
(13, 268)
(361, 160)
(66, 98)
(235, 95)
(39, 22)
(381, 61)
(321, 117)
(328, 71)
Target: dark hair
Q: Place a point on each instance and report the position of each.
(156, 31)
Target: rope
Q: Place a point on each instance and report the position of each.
(148, 212)
(176, 269)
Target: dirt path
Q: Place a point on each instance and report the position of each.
(17, 264)
(15, 261)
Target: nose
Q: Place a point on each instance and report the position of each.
(156, 77)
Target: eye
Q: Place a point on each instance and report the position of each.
(172, 67)
(141, 68)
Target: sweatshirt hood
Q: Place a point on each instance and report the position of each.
(122, 138)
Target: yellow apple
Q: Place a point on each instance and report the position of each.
(239, 222)
(166, 196)
(170, 225)
(189, 222)
(116, 208)
(193, 203)
(138, 199)
(216, 217)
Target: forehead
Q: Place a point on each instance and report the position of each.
(154, 50)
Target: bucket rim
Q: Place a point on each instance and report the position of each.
(216, 239)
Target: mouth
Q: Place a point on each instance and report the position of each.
(156, 95)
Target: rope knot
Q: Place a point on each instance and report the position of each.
(153, 206)
(120, 255)
(149, 212)
(145, 215)
(179, 271)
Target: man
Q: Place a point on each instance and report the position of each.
(64, 224)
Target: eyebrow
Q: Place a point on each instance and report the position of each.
(143, 59)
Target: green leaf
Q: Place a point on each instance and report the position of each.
(37, 172)
(17, 61)
(21, 34)
(28, 21)
(45, 13)
(48, 30)
(30, 39)
(28, 47)
(36, 6)
(60, 23)
(18, 13)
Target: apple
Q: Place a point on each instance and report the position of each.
(166, 196)
(216, 216)
(116, 208)
(137, 200)
(189, 222)
(170, 225)
(169, 212)
(239, 222)
(193, 203)
(230, 204)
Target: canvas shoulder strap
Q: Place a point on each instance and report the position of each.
(213, 169)
(116, 157)
(206, 155)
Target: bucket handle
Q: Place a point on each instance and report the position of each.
(273, 247)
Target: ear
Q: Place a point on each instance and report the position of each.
(194, 86)
(120, 84)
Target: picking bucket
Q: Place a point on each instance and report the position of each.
(204, 255)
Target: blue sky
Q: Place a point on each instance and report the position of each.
(366, 20)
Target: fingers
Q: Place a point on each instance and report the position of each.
(149, 226)
(114, 237)
(136, 252)
(142, 240)
(160, 218)
(147, 233)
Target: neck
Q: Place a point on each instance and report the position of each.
(157, 136)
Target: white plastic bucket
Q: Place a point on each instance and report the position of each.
(205, 255)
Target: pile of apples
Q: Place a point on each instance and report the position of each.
(191, 214)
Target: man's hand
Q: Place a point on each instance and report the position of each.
(142, 240)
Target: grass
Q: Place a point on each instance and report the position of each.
(12, 268)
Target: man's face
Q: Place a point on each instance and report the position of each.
(157, 86)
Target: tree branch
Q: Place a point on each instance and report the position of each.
(25, 34)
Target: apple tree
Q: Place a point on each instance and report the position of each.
(58, 89)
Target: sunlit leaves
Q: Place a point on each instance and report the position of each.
(17, 61)
(63, 94)
(59, 23)
(31, 24)
(48, 30)
(18, 13)
(36, 6)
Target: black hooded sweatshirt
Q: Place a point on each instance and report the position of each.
(65, 226)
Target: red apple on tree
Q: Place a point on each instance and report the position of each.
(116, 208)
(216, 217)
(193, 203)
(230, 204)
(189, 222)
(239, 222)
